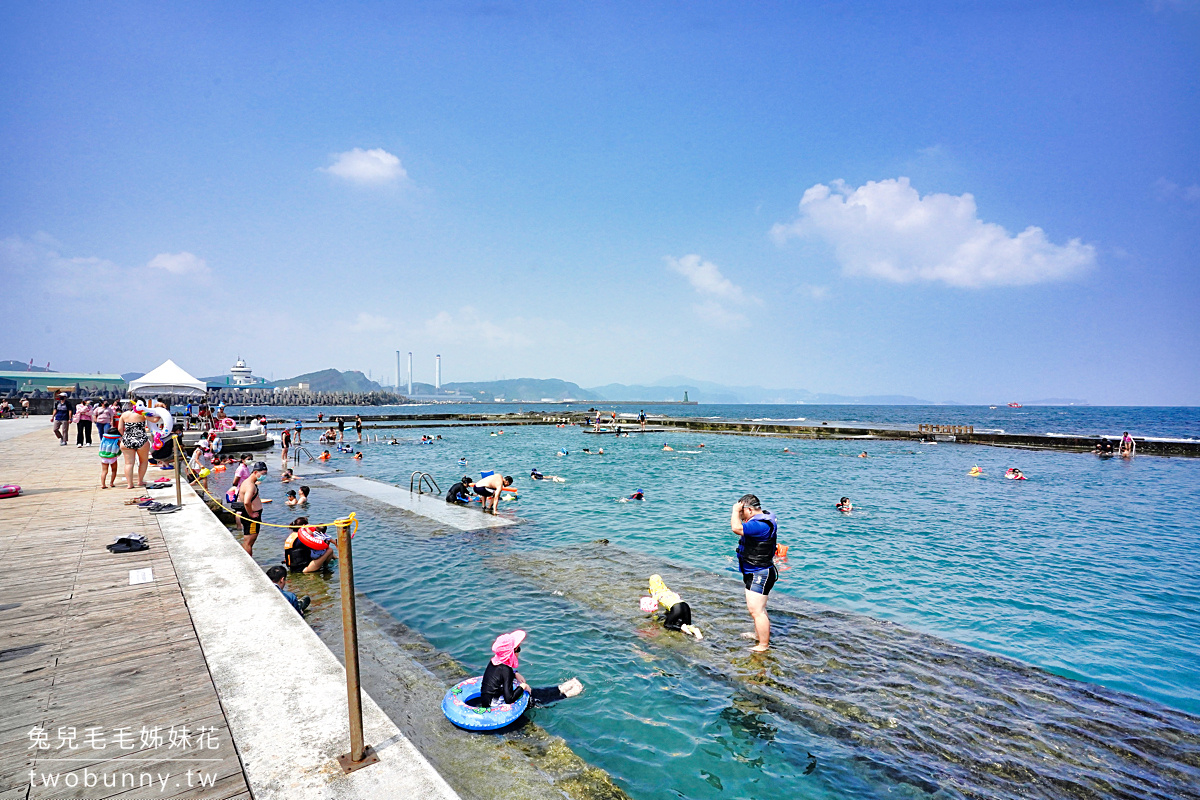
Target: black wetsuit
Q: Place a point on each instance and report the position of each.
(678, 615)
(459, 493)
(498, 686)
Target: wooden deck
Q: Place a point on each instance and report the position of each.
(84, 651)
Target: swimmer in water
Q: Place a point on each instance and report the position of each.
(667, 448)
(975, 471)
(1014, 474)
(501, 681)
(358, 456)
(564, 452)
(863, 454)
(638, 495)
(845, 506)
(537, 476)
(462, 462)
(679, 613)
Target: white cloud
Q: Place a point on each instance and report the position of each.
(360, 166)
(179, 263)
(469, 327)
(1167, 190)
(706, 278)
(62, 301)
(885, 229)
(372, 323)
(724, 295)
(717, 315)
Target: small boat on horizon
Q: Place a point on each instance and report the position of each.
(1015, 405)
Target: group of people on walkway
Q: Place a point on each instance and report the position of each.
(83, 416)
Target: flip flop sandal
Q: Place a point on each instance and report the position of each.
(166, 508)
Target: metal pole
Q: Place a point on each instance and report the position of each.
(358, 755)
(178, 473)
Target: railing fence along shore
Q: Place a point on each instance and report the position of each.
(360, 755)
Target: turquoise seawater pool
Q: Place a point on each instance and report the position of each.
(876, 683)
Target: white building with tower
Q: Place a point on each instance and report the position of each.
(241, 375)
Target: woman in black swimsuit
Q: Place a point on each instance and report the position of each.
(135, 444)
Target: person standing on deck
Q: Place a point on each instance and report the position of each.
(642, 419)
(62, 419)
(358, 427)
(341, 429)
(83, 424)
(252, 503)
(285, 441)
(756, 559)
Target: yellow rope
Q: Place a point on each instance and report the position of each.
(352, 518)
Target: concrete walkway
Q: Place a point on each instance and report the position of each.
(283, 690)
(11, 428)
(84, 644)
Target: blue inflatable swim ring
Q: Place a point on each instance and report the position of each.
(475, 718)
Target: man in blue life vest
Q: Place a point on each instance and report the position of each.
(756, 559)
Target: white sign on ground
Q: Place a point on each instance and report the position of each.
(137, 576)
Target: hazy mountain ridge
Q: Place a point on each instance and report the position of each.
(523, 389)
(331, 380)
(21, 366)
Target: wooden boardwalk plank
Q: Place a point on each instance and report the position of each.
(80, 647)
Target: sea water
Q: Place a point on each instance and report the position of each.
(1081, 581)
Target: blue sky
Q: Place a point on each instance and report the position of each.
(959, 201)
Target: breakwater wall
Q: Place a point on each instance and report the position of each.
(960, 434)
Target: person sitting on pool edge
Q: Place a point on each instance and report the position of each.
(489, 488)
(460, 493)
(501, 674)
(679, 613)
(299, 557)
(278, 576)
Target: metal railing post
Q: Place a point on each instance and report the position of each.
(360, 755)
(178, 474)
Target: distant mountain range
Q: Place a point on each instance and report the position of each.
(20, 366)
(671, 388)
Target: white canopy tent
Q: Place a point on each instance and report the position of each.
(167, 379)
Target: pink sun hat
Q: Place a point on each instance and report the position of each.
(505, 648)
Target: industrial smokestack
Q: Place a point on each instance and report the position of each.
(397, 371)
(437, 373)
(410, 373)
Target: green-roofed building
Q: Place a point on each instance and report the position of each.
(59, 381)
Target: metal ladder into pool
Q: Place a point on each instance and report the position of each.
(421, 481)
